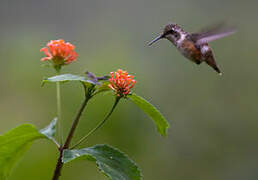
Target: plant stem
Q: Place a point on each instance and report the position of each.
(59, 112)
(75, 123)
(99, 124)
(59, 164)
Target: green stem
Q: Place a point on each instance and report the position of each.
(59, 112)
(60, 164)
(99, 124)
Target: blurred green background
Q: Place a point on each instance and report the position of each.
(214, 127)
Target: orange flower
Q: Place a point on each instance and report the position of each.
(121, 82)
(59, 52)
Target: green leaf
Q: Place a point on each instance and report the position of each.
(50, 131)
(110, 161)
(159, 120)
(66, 78)
(13, 145)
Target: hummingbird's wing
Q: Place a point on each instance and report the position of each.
(213, 33)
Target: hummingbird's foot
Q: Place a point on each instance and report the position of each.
(198, 62)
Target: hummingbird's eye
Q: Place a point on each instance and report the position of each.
(176, 35)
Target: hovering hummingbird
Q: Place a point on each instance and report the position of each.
(194, 46)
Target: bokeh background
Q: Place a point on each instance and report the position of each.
(214, 125)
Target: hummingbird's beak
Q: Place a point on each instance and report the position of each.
(156, 39)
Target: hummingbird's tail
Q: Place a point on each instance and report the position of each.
(211, 62)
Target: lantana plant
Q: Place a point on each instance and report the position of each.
(110, 161)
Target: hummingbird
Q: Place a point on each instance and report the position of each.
(194, 46)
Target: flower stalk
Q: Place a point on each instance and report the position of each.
(99, 125)
(59, 113)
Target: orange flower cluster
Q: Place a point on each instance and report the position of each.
(121, 82)
(60, 52)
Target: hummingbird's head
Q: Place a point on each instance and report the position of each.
(172, 32)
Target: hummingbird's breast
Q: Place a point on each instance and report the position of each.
(190, 51)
